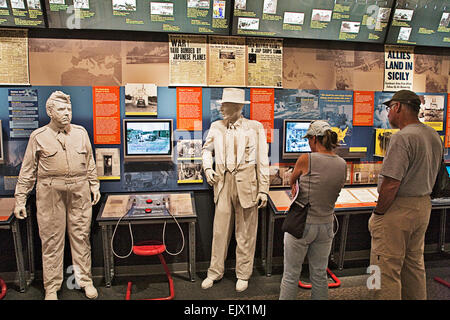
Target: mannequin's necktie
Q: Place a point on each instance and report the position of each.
(230, 148)
(61, 137)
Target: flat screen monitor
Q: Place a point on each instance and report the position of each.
(293, 142)
(447, 166)
(148, 139)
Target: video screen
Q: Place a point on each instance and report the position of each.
(294, 130)
(148, 137)
(448, 169)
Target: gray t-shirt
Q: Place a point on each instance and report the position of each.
(413, 157)
(324, 182)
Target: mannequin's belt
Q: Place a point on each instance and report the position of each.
(62, 180)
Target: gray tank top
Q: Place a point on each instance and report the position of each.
(325, 181)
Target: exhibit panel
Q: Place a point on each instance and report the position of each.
(21, 13)
(324, 19)
(170, 162)
(192, 16)
(420, 22)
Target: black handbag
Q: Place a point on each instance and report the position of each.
(442, 184)
(295, 220)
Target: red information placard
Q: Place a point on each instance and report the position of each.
(189, 108)
(262, 108)
(363, 108)
(106, 115)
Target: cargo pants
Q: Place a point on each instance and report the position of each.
(398, 240)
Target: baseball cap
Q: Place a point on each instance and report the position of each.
(317, 128)
(405, 96)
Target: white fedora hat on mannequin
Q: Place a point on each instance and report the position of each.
(233, 95)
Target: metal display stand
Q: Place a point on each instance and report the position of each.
(107, 224)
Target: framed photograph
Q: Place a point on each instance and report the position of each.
(108, 163)
(161, 8)
(248, 23)
(189, 149)
(124, 5)
(294, 17)
(190, 172)
(141, 99)
(382, 139)
(321, 15)
(350, 26)
(403, 14)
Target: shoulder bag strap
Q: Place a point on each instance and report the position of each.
(309, 180)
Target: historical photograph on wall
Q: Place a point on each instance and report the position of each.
(14, 153)
(187, 60)
(189, 149)
(148, 180)
(80, 62)
(226, 65)
(108, 163)
(265, 62)
(432, 110)
(279, 175)
(124, 5)
(14, 57)
(325, 69)
(343, 62)
(368, 71)
(296, 104)
(141, 99)
(430, 73)
(145, 62)
(190, 172)
(382, 139)
(302, 70)
(380, 114)
(366, 173)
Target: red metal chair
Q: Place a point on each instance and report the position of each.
(152, 248)
(3, 289)
(334, 284)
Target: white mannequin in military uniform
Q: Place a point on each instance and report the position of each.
(241, 184)
(59, 159)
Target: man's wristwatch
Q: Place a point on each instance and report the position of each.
(377, 213)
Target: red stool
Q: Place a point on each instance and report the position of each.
(152, 248)
(3, 289)
(335, 284)
(442, 281)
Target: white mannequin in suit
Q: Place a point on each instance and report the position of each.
(241, 184)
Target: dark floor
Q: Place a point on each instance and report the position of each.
(353, 285)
